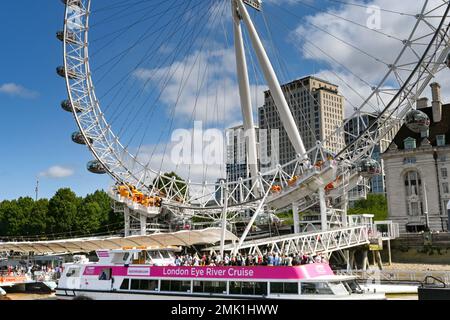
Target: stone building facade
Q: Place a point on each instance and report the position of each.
(417, 166)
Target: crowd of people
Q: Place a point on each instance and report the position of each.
(268, 259)
(32, 271)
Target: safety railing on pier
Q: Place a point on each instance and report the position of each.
(396, 275)
(312, 243)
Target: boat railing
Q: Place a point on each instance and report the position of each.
(397, 275)
(433, 281)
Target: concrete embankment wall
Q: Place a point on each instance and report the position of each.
(420, 248)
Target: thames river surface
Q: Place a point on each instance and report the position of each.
(21, 296)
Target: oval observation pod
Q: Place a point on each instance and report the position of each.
(70, 36)
(72, 3)
(67, 106)
(417, 121)
(369, 168)
(61, 71)
(60, 35)
(78, 138)
(96, 167)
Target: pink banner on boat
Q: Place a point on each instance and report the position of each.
(233, 272)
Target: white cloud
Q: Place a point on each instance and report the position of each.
(16, 90)
(319, 38)
(57, 172)
(202, 87)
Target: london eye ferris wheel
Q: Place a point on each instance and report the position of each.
(138, 70)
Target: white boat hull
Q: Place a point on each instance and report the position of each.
(71, 294)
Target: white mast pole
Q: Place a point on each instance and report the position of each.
(244, 93)
(427, 218)
(274, 85)
(224, 219)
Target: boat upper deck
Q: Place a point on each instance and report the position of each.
(304, 272)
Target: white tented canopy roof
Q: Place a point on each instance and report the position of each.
(180, 238)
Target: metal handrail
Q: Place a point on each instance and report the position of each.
(398, 275)
(425, 282)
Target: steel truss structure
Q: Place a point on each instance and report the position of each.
(125, 167)
(302, 179)
(311, 243)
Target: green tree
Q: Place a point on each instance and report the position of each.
(62, 211)
(14, 218)
(89, 217)
(37, 220)
(108, 219)
(375, 204)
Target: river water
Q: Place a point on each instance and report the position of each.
(23, 296)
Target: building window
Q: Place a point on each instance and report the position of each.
(414, 209)
(425, 133)
(412, 183)
(445, 187)
(440, 140)
(410, 143)
(444, 173)
(409, 160)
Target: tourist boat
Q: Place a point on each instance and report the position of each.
(10, 283)
(150, 274)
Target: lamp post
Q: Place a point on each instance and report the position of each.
(427, 219)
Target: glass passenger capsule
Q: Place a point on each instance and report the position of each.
(67, 106)
(78, 138)
(73, 3)
(96, 167)
(369, 168)
(61, 71)
(70, 36)
(417, 121)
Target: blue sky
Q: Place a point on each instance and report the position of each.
(36, 133)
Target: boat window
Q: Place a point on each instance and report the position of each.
(120, 258)
(125, 284)
(284, 287)
(175, 285)
(248, 288)
(105, 274)
(315, 288)
(338, 288)
(353, 286)
(154, 254)
(165, 254)
(73, 272)
(141, 284)
(140, 258)
(210, 286)
(261, 288)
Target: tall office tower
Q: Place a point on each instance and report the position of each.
(317, 108)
